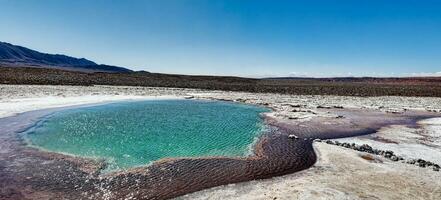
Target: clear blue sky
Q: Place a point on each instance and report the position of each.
(237, 37)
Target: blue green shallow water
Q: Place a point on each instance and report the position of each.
(129, 134)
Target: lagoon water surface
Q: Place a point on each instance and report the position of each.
(129, 134)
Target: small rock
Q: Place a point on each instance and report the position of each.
(394, 111)
(388, 154)
(292, 136)
(240, 100)
(394, 158)
(411, 161)
(377, 152)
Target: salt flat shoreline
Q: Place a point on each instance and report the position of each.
(16, 99)
(52, 174)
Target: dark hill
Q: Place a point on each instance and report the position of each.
(13, 55)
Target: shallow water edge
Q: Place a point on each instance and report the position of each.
(135, 134)
(61, 176)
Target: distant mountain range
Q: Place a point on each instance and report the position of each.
(18, 56)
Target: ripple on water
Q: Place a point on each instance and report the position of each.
(131, 134)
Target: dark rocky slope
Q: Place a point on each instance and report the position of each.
(13, 55)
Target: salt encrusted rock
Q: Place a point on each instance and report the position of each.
(433, 110)
(394, 158)
(297, 106)
(311, 111)
(387, 154)
(377, 152)
(394, 111)
(241, 100)
(411, 161)
(292, 136)
(366, 148)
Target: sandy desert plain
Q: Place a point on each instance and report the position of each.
(345, 168)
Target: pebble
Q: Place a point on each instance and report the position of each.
(387, 154)
(292, 136)
(317, 140)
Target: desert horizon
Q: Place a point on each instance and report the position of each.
(226, 100)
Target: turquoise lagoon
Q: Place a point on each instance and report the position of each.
(129, 134)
